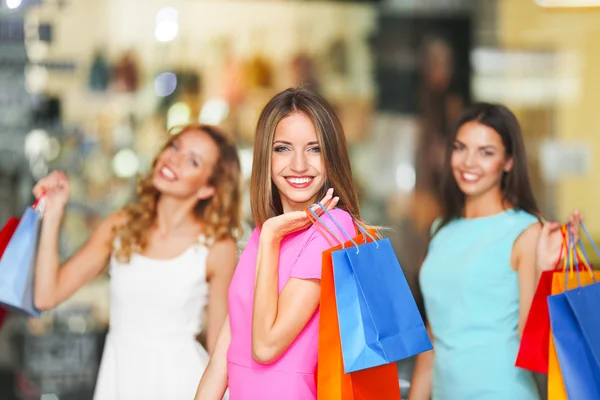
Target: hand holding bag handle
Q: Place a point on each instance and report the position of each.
(341, 228)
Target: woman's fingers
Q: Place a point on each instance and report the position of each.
(575, 222)
(333, 203)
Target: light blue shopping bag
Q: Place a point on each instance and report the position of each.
(17, 265)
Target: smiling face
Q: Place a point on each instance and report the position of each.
(297, 167)
(183, 169)
(479, 159)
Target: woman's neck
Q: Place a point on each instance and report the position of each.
(486, 204)
(175, 216)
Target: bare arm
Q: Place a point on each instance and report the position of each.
(536, 250)
(220, 266)
(524, 261)
(277, 320)
(420, 387)
(53, 283)
(213, 384)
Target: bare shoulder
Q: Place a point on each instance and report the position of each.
(527, 241)
(530, 235)
(222, 256)
(105, 230)
(225, 244)
(117, 219)
(114, 220)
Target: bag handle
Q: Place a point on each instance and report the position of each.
(344, 232)
(576, 256)
(356, 223)
(581, 253)
(589, 237)
(318, 225)
(563, 250)
(39, 203)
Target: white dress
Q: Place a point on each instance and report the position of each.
(156, 309)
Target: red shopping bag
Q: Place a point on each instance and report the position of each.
(535, 342)
(7, 232)
(5, 235)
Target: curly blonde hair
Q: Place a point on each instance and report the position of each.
(220, 213)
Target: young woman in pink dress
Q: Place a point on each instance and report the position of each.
(267, 348)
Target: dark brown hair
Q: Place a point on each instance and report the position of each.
(515, 186)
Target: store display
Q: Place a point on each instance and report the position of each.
(108, 104)
(99, 73)
(125, 76)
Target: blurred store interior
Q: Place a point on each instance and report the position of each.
(91, 87)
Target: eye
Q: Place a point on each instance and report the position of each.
(193, 162)
(174, 146)
(315, 149)
(280, 149)
(457, 146)
(487, 153)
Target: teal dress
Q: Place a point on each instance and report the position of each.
(471, 296)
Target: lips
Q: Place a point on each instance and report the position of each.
(299, 182)
(167, 174)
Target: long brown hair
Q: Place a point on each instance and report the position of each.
(220, 214)
(264, 197)
(515, 185)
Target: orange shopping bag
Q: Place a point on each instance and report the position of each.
(332, 383)
(556, 385)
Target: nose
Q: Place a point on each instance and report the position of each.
(299, 163)
(174, 158)
(470, 159)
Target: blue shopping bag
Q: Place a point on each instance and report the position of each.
(579, 368)
(585, 303)
(378, 318)
(17, 265)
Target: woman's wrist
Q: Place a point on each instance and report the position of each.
(270, 238)
(269, 235)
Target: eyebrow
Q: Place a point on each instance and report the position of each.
(289, 143)
(489, 146)
(197, 155)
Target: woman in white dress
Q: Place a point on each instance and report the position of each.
(163, 252)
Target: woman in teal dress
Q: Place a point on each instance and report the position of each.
(483, 263)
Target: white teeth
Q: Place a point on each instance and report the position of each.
(299, 181)
(469, 177)
(167, 173)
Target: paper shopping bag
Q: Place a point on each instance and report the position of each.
(5, 235)
(585, 304)
(573, 373)
(380, 382)
(17, 265)
(535, 341)
(377, 314)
